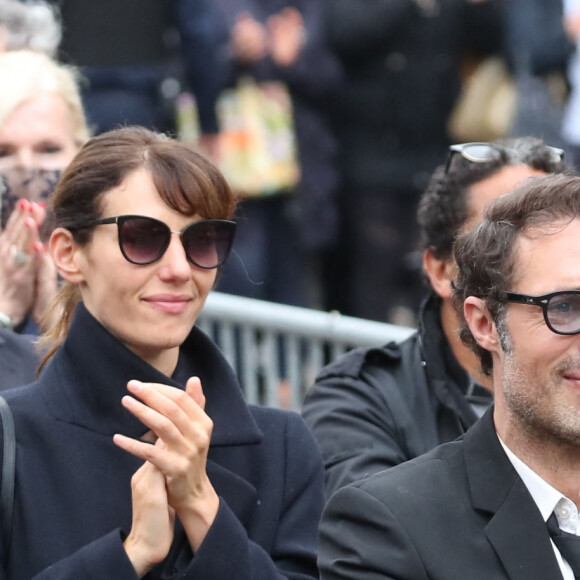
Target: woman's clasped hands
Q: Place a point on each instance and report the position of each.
(28, 280)
(173, 479)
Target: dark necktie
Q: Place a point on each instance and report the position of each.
(568, 544)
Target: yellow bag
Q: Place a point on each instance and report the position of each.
(257, 143)
(486, 107)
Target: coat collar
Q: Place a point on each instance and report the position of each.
(88, 376)
(516, 528)
(446, 376)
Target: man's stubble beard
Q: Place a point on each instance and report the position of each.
(536, 401)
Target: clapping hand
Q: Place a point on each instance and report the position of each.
(249, 40)
(28, 280)
(183, 430)
(153, 520)
(287, 36)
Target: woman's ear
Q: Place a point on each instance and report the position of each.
(65, 254)
(440, 273)
(481, 324)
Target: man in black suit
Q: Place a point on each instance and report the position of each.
(18, 359)
(495, 503)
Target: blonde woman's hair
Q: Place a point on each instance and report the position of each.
(25, 74)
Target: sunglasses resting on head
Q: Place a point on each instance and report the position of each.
(143, 240)
(480, 152)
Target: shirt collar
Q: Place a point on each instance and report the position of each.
(544, 495)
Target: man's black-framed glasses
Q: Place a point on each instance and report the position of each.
(561, 309)
(143, 240)
(481, 152)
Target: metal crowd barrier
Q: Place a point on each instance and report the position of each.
(277, 350)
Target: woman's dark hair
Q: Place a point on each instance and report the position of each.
(444, 207)
(486, 255)
(185, 180)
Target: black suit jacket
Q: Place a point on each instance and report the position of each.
(461, 511)
(18, 359)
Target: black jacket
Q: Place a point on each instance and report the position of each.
(459, 512)
(374, 408)
(18, 359)
(73, 492)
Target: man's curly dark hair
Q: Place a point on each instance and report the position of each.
(486, 255)
(444, 207)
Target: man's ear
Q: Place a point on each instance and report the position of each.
(481, 324)
(66, 255)
(440, 273)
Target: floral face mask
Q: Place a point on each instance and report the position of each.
(31, 183)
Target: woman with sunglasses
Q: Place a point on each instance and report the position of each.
(136, 453)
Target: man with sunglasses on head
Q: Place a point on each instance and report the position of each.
(374, 408)
(502, 501)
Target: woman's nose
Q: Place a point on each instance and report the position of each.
(24, 157)
(175, 262)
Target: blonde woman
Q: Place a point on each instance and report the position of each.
(42, 126)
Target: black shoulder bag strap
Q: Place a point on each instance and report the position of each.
(8, 474)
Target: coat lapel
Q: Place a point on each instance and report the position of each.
(520, 538)
(93, 399)
(516, 529)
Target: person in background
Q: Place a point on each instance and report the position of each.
(571, 120)
(403, 65)
(32, 25)
(502, 501)
(284, 235)
(136, 55)
(537, 51)
(374, 408)
(136, 437)
(42, 126)
(19, 359)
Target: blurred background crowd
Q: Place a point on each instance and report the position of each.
(327, 116)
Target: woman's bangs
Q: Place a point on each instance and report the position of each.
(190, 188)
